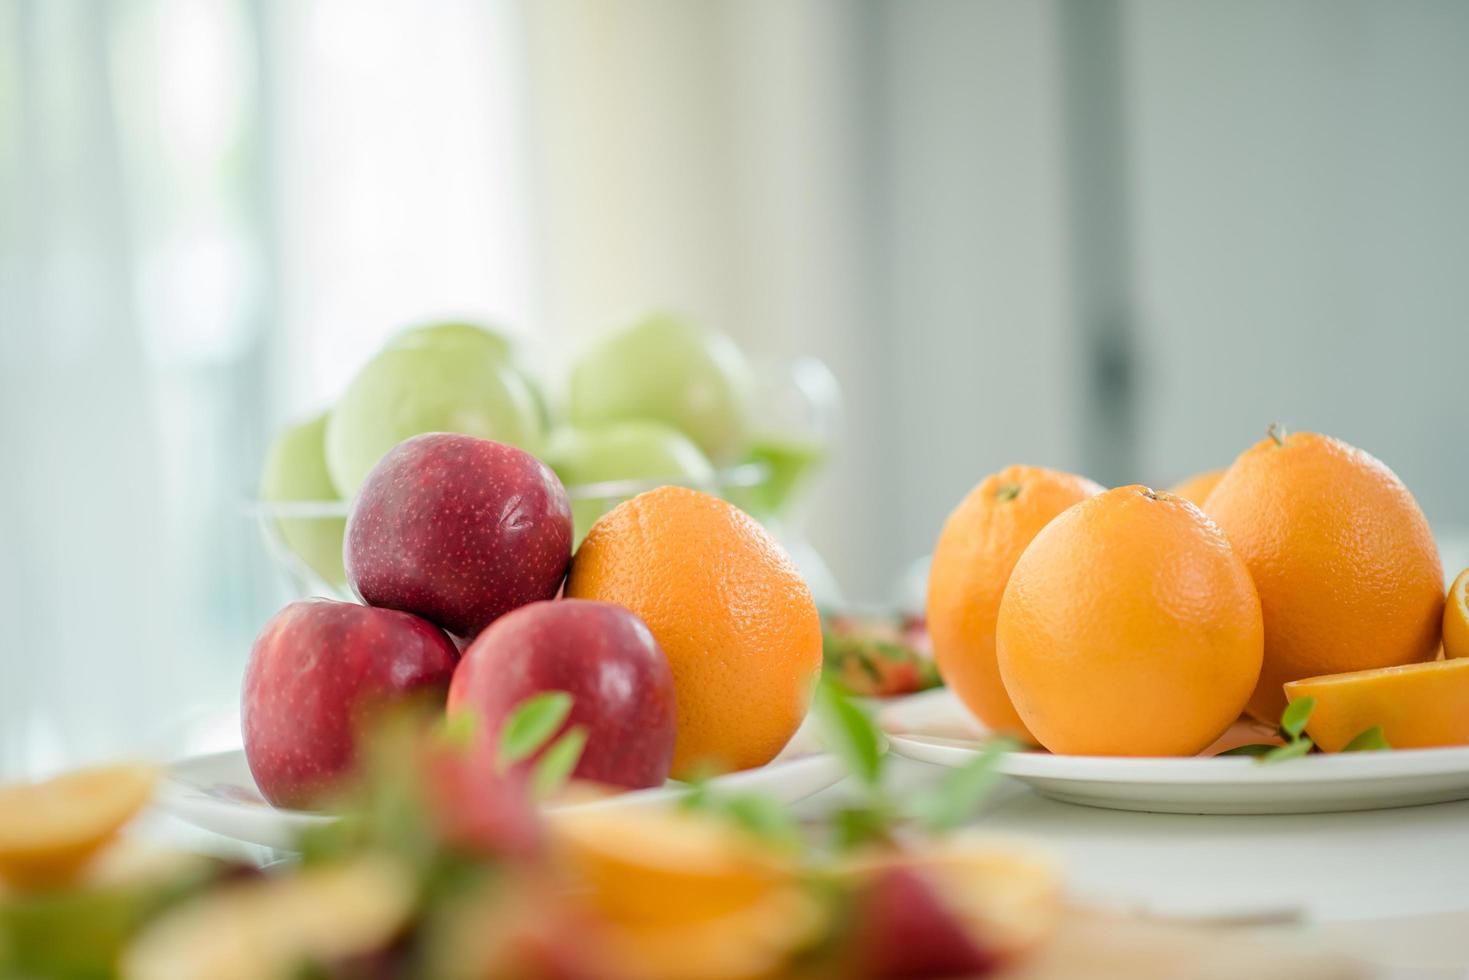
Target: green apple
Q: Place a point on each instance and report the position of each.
(788, 461)
(639, 450)
(671, 370)
(406, 391)
(295, 469)
(455, 334)
(472, 336)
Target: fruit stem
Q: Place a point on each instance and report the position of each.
(1278, 432)
(1007, 491)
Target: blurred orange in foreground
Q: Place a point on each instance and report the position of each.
(48, 830)
(1418, 706)
(1348, 573)
(1129, 627)
(976, 551)
(727, 606)
(683, 895)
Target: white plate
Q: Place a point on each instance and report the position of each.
(216, 792)
(934, 727)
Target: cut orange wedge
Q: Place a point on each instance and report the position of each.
(1456, 618)
(1418, 706)
(49, 830)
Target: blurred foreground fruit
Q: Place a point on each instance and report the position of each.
(729, 609)
(683, 895)
(1196, 489)
(295, 469)
(668, 369)
(458, 530)
(1129, 627)
(1456, 618)
(961, 908)
(78, 932)
(635, 450)
(1418, 706)
(976, 552)
(309, 923)
(604, 657)
(408, 390)
(48, 830)
(317, 671)
(1348, 574)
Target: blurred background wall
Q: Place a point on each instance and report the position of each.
(1118, 236)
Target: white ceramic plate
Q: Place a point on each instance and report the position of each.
(934, 727)
(216, 792)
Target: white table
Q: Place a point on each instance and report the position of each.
(1390, 885)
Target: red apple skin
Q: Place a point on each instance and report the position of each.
(605, 658)
(458, 530)
(904, 931)
(317, 669)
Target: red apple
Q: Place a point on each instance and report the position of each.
(315, 672)
(459, 531)
(605, 658)
(904, 930)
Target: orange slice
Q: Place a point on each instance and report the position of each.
(48, 830)
(1418, 706)
(664, 867)
(1456, 618)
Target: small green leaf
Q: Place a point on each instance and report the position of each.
(1293, 719)
(1290, 750)
(955, 798)
(460, 728)
(857, 827)
(763, 818)
(850, 733)
(1372, 740)
(557, 763)
(1256, 749)
(532, 722)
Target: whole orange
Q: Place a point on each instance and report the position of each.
(1196, 489)
(976, 551)
(727, 605)
(1348, 573)
(1129, 627)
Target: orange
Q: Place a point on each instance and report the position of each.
(730, 610)
(977, 549)
(1348, 573)
(685, 895)
(1419, 706)
(1129, 627)
(1456, 618)
(49, 830)
(1196, 489)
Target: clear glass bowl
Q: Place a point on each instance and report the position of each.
(798, 403)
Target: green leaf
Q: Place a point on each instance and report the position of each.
(1293, 719)
(1290, 750)
(1372, 740)
(956, 798)
(850, 733)
(763, 818)
(460, 728)
(532, 722)
(857, 827)
(1256, 749)
(557, 763)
